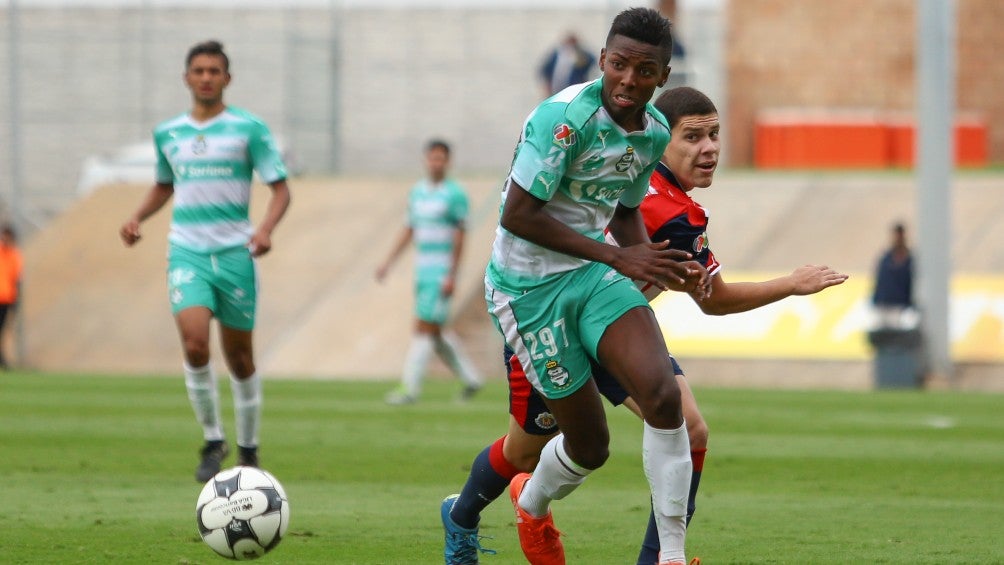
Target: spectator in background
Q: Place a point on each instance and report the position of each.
(893, 295)
(569, 63)
(10, 281)
(437, 212)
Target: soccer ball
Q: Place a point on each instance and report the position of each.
(242, 512)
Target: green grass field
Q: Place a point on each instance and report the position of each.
(98, 469)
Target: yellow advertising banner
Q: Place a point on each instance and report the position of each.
(833, 324)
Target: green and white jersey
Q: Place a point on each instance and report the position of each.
(576, 157)
(435, 212)
(211, 165)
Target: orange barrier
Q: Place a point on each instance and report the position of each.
(806, 139)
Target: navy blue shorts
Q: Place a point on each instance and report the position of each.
(527, 406)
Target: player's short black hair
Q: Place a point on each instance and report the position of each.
(682, 101)
(438, 144)
(647, 26)
(209, 47)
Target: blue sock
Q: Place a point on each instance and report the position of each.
(695, 481)
(649, 554)
(485, 483)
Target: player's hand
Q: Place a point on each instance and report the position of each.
(697, 283)
(129, 232)
(449, 285)
(260, 244)
(810, 279)
(655, 264)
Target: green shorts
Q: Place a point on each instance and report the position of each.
(226, 282)
(430, 303)
(555, 327)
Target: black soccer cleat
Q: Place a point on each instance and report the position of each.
(247, 456)
(213, 453)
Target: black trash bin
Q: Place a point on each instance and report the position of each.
(898, 357)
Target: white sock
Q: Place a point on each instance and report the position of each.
(666, 458)
(450, 351)
(202, 394)
(415, 363)
(247, 408)
(554, 478)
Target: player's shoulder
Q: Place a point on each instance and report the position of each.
(171, 123)
(574, 106)
(235, 113)
(454, 186)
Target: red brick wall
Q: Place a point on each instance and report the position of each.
(852, 54)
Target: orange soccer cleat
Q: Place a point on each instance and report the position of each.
(537, 536)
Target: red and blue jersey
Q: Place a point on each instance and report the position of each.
(671, 214)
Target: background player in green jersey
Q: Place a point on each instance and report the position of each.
(205, 161)
(562, 296)
(437, 211)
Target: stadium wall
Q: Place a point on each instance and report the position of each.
(92, 305)
(855, 55)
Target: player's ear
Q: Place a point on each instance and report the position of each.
(603, 57)
(665, 76)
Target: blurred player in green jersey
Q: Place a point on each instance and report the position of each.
(205, 160)
(437, 211)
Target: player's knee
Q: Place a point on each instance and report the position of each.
(241, 366)
(662, 407)
(698, 433)
(196, 351)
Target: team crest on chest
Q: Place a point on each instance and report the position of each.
(199, 145)
(624, 163)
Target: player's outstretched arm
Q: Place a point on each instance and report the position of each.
(403, 239)
(731, 298)
(155, 198)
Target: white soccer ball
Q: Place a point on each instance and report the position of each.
(242, 513)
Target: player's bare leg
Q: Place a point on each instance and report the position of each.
(200, 381)
(245, 383)
(423, 345)
(633, 350)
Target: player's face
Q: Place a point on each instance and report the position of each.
(206, 77)
(632, 70)
(436, 162)
(692, 153)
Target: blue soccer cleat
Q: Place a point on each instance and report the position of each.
(462, 544)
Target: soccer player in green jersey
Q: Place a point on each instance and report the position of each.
(561, 295)
(205, 161)
(437, 212)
